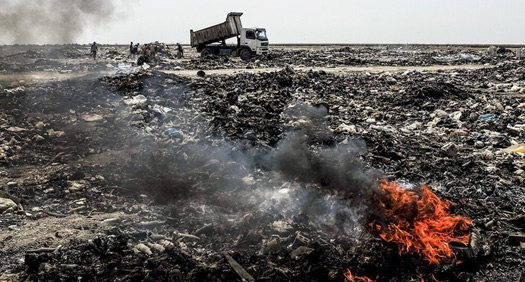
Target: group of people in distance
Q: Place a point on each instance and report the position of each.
(147, 50)
(134, 48)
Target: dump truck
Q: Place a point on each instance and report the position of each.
(250, 41)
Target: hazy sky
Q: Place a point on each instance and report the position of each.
(328, 21)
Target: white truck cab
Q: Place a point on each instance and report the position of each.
(255, 39)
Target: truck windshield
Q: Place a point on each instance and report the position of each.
(261, 34)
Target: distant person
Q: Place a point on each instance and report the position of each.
(131, 49)
(94, 49)
(145, 49)
(135, 49)
(180, 51)
(156, 47)
(153, 50)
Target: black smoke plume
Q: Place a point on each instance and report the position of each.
(50, 21)
(310, 155)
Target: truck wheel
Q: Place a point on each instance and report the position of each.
(206, 52)
(245, 54)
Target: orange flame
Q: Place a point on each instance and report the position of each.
(420, 224)
(348, 274)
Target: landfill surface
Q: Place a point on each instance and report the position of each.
(217, 169)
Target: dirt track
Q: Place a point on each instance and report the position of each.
(337, 70)
(43, 76)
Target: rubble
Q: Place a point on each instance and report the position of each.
(239, 269)
(517, 238)
(6, 204)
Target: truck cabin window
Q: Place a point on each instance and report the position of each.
(250, 34)
(261, 35)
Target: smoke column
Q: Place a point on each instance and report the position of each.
(50, 21)
(337, 167)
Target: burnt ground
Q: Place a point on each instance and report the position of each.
(147, 176)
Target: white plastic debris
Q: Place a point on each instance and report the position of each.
(7, 204)
(136, 100)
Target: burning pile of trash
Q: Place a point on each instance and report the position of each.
(419, 224)
(287, 175)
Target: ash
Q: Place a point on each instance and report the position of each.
(260, 170)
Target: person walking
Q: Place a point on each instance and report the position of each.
(135, 49)
(145, 49)
(94, 49)
(180, 51)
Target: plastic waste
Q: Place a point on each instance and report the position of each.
(482, 138)
(518, 148)
(520, 53)
(125, 68)
(492, 51)
(136, 100)
(488, 117)
(172, 132)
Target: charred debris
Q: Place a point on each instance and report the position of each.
(146, 175)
